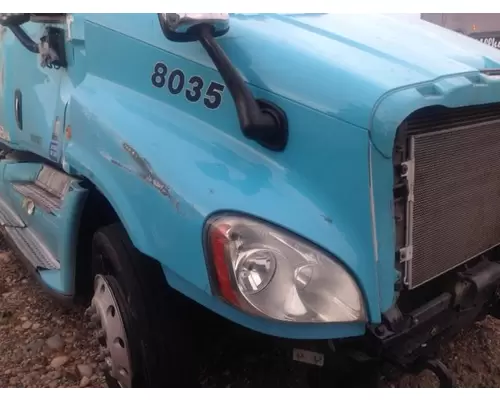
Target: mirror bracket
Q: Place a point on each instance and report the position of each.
(51, 47)
(260, 120)
(179, 27)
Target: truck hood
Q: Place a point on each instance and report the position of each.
(343, 65)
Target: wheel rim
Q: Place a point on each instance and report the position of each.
(110, 332)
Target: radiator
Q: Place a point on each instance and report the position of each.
(455, 212)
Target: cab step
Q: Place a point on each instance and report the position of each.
(40, 208)
(47, 190)
(32, 248)
(41, 197)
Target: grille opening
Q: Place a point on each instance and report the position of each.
(455, 216)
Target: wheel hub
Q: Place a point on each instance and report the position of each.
(105, 312)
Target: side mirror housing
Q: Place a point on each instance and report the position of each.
(182, 27)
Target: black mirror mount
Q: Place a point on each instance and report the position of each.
(260, 120)
(9, 20)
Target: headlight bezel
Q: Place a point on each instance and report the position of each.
(223, 283)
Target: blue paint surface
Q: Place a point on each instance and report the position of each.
(166, 164)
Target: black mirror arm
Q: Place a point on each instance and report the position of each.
(25, 40)
(259, 120)
(14, 22)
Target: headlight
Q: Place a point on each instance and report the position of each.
(267, 271)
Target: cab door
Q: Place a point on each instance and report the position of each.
(31, 110)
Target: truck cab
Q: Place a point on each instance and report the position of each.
(329, 181)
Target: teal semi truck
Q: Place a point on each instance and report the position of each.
(329, 181)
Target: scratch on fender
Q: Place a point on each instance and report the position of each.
(118, 163)
(147, 173)
(327, 218)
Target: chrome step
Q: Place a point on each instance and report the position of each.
(47, 190)
(53, 181)
(32, 248)
(8, 217)
(39, 195)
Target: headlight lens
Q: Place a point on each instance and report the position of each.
(267, 271)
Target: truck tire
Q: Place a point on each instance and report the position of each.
(141, 323)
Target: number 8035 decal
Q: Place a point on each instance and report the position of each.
(193, 88)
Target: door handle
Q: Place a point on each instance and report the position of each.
(18, 108)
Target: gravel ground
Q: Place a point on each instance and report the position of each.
(44, 345)
(41, 344)
(474, 357)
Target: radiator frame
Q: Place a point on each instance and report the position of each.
(445, 120)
